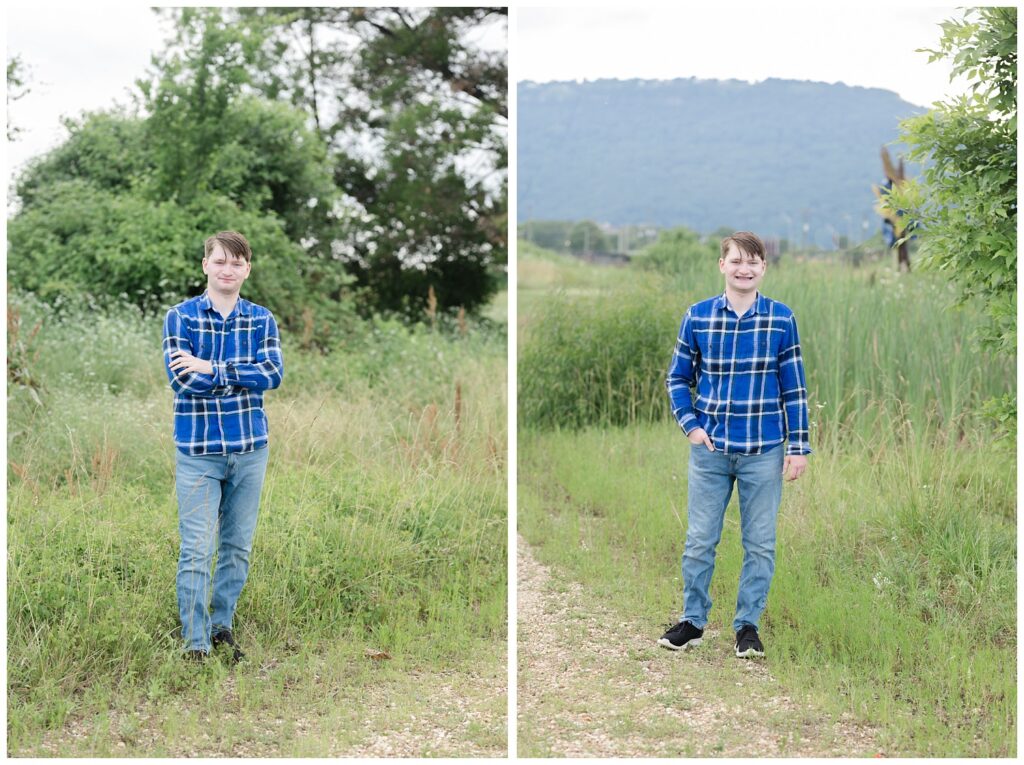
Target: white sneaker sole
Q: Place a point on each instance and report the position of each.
(750, 653)
(664, 642)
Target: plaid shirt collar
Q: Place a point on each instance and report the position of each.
(760, 304)
(242, 307)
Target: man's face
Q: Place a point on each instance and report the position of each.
(743, 272)
(225, 273)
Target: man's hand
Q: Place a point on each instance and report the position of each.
(795, 465)
(182, 362)
(699, 436)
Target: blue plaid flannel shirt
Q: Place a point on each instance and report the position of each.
(222, 413)
(748, 373)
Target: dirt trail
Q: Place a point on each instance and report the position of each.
(423, 714)
(594, 685)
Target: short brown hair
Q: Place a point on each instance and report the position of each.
(745, 241)
(233, 244)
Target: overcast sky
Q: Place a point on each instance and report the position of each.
(88, 57)
(78, 57)
(853, 44)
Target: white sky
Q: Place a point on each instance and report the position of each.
(78, 58)
(88, 57)
(870, 46)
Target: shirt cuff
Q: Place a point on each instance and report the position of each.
(688, 422)
(797, 448)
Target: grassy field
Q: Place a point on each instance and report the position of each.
(379, 564)
(895, 590)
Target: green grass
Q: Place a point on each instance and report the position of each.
(895, 588)
(382, 522)
(540, 271)
(894, 597)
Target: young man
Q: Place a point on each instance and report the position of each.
(221, 353)
(747, 426)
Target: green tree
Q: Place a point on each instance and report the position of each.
(122, 207)
(587, 236)
(107, 149)
(408, 51)
(17, 87)
(549, 234)
(415, 116)
(679, 251)
(965, 201)
(209, 133)
(399, 185)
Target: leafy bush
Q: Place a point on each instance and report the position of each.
(966, 198)
(79, 237)
(678, 251)
(81, 240)
(107, 149)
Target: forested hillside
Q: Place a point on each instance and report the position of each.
(768, 157)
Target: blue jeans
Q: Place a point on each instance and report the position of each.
(218, 500)
(711, 478)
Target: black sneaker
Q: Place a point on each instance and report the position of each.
(225, 637)
(682, 636)
(748, 644)
(195, 657)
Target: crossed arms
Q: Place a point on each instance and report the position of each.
(204, 378)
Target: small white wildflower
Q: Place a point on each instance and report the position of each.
(881, 582)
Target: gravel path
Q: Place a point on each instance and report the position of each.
(420, 714)
(443, 727)
(594, 685)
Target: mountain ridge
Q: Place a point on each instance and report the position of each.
(768, 156)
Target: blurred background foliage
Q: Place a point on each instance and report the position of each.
(362, 152)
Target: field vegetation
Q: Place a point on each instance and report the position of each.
(894, 598)
(379, 557)
(367, 169)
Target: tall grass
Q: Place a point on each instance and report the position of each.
(382, 521)
(879, 348)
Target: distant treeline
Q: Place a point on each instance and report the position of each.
(678, 242)
(580, 236)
